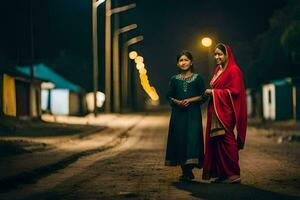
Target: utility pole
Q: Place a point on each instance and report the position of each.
(108, 13)
(116, 64)
(95, 4)
(31, 42)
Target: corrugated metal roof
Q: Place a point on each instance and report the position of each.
(281, 82)
(43, 72)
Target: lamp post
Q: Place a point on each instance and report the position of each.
(95, 4)
(31, 43)
(207, 43)
(125, 72)
(116, 64)
(108, 13)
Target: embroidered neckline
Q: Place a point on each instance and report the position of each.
(188, 79)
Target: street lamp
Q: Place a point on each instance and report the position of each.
(125, 73)
(116, 64)
(207, 43)
(108, 13)
(133, 55)
(95, 4)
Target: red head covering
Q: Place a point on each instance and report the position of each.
(228, 88)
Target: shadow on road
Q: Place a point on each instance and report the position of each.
(35, 128)
(226, 191)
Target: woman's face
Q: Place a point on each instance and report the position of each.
(220, 57)
(184, 63)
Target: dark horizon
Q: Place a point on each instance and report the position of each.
(62, 33)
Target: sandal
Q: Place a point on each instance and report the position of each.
(218, 180)
(232, 181)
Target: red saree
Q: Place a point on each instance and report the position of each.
(229, 103)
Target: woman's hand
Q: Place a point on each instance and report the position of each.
(208, 92)
(181, 103)
(185, 102)
(177, 102)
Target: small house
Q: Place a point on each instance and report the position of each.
(60, 98)
(277, 99)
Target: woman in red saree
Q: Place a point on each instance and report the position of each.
(226, 111)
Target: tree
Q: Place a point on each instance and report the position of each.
(273, 54)
(290, 40)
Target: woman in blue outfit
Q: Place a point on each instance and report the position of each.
(185, 138)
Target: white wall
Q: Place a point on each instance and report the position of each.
(59, 102)
(269, 109)
(249, 102)
(45, 99)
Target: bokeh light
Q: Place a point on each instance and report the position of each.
(133, 55)
(139, 59)
(206, 41)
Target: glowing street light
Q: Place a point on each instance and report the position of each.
(133, 55)
(139, 59)
(142, 71)
(126, 79)
(140, 66)
(206, 41)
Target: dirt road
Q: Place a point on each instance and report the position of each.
(134, 169)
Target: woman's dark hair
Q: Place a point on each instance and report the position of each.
(222, 48)
(186, 53)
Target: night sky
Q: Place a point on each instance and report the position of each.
(62, 33)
